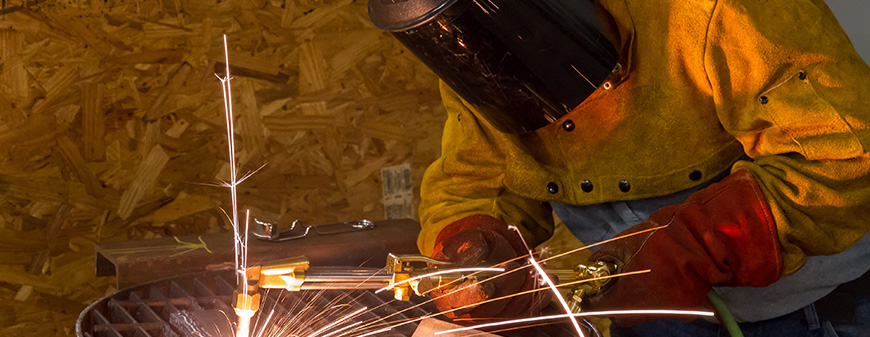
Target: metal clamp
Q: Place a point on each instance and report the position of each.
(269, 231)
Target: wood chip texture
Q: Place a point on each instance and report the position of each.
(112, 127)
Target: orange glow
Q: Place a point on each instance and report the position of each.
(244, 322)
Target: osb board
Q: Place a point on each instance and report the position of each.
(112, 128)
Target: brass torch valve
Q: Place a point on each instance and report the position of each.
(596, 279)
(405, 269)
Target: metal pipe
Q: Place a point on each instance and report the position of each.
(346, 278)
(139, 261)
(342, 286)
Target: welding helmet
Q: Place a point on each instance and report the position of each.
(523, 64)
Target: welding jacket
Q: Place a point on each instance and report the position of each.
(703, 83)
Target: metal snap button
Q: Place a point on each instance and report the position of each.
(586, 186)
(624, 186)
(553, 188)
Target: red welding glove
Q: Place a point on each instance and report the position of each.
(484, 241)
(723, 235)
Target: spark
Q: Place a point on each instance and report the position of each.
(603, 277)
(266, 323)
(339, 321)
(487, 279)
(584, 77)
(558, 255)
(303, 318)
(548, 281)
(244, 249)
(250, 173)
(516, 270)
(520, 234)
(565, 253)
(558, 295)
(342, 329)
(543, 289)
(268, 319)
(370, 324)
(295, 324)
(603, 242)
(584, 314)
(440, 272)
(222, 183)
(239, 242)
(315, 313)
(378, 331)
(447, 294)
(231, 147)
(227, 317)
(346, 294)
(286, 323)
(509, 329)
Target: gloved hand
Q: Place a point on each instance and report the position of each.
(484, 241)
(723, 235)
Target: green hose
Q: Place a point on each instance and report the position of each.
(724, 314)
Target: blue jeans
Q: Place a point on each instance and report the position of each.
(786, 326)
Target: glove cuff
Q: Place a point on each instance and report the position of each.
(484, 222)
(723, 235)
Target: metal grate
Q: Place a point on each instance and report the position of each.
(200, 305)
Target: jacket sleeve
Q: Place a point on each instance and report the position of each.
(468, 179)
(791, 88)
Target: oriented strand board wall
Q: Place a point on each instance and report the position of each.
(112, 128)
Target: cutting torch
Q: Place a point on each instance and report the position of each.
(403, 275)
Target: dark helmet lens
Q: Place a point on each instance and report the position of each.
(522, 63)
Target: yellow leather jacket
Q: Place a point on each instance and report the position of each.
(702, 83)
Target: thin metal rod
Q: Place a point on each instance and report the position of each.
(340, 285)
(344, 278)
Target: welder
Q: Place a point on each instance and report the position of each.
(740, 125)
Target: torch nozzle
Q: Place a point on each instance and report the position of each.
(245, 305)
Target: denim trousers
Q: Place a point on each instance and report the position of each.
(786, 326)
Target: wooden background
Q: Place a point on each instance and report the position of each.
(112, 128)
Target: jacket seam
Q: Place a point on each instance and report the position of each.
(707, 42)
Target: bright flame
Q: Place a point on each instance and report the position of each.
(244, 322)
